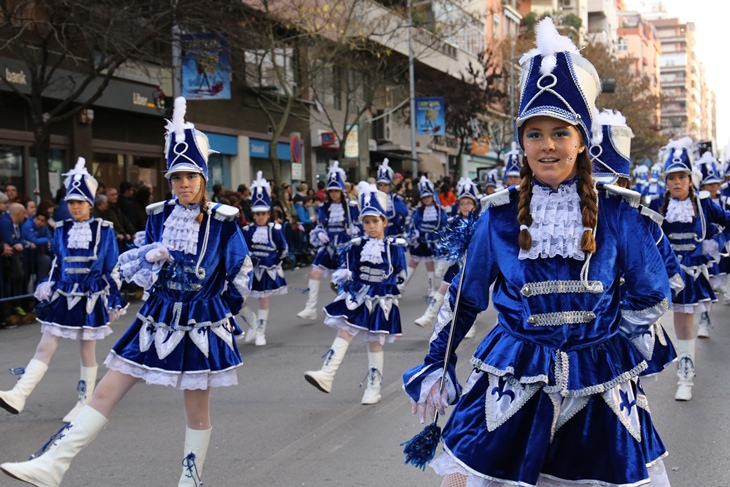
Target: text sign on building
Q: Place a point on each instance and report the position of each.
(205, 70)
(430, 116)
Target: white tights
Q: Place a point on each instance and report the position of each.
(49, 343)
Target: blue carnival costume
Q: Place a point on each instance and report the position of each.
(366, 305)
(396, 210)
(427, 222)
(183, 334)
(707, 166)
(512, 163)
(554, 394)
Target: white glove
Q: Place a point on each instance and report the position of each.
(140, 239)
(435, 401)
(324, 238)
(114, 315)
(158, 254)
(44, 291)
(712, 249)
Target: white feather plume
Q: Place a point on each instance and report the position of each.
(335, 167)
(494, 173)
(549, 42)
(424, 180)
(707, 158)
(178, 123)
(261, 183)
(385, 163)
(683, 143)
(612, 117)
(78, 170)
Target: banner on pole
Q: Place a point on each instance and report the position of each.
(205, 69)
(430, 117)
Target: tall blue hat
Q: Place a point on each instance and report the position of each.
(336, 177)
(186, 149)
(679, 156)
(492, 178)
(707, 166)
(558, 82)
(260, 194)
(513, 161)
(80, 185)
(610, 157)
(385, 172)
(372, 201)
(641, 173)
(655, 174)
(467, 189)
(425, 187)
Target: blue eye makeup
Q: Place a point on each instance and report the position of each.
(562, 133)
(533, 135)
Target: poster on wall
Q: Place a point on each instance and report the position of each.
(351, 144)
(430, 117)
(205, 69)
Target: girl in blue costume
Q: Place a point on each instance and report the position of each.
(467, 200)
(688, 218)
(197, 270)
(367, 303)
(710, 182)
(80, 297)
(553, 399)
(611, 162)
(723, 200)
(336, 225)
(268, 248)
(428, 220)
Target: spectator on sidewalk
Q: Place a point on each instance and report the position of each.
(4, 202)
(49, 208)
(123, 228)
(100, 206)
(38, 237)
(126, 203)
(12, 192)
(218, 192)
(142, 198)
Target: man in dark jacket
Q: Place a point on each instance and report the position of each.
(122, 226)
(126, 202)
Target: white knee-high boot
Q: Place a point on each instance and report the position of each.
(374, 378)
(48, 469)
(85, 389)
(322, 379)
(435, 301)
(250, 318)
(705, 324)
(310, 310)
(196, 448)
(685, 369)
(13, 400)
(261, 328)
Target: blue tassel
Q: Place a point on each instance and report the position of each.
(191, 469)
(421, 449)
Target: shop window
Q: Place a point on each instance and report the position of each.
(11, 167)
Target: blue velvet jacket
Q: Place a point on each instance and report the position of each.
(340, 232)
(562, 322)
(396, 216)
(270, 254)
(428, 232)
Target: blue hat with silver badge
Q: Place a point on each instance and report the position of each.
(372, 201)
(425, 187)
(186, 148)
(385, 172)
(513, 161)
(707, 165)
(679, 156)
(260, 194)
(80, 185)
(335, 177)
(558, 82)
(467, 189)
(611, 157)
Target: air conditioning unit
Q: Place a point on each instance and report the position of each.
(383, 127)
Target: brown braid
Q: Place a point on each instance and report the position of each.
(588, 202)
(663, 209)
(523, 215)
(203, 202)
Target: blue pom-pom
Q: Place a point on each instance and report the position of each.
(455, 238)
(421, 449)
(349, 286)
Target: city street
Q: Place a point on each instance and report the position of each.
(274, 429)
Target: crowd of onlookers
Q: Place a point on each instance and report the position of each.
(26, 229)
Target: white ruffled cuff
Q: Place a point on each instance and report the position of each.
(631, 320)
(341, 275)
(428, 382)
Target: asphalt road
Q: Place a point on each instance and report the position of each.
(274, 429)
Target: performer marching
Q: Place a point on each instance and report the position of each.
(336, 225)
(396, 209)
(555, 373)
(268, 248)
(79, 298)
(367, 303)
(196, 268)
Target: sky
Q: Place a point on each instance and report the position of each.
(711, 22)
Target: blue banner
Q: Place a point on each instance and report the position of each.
(430, 117)
(205, 69)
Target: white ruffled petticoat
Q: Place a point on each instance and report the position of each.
(681, 211)
(79, 236)
(181, 229)
(446, 464)
(557, 223)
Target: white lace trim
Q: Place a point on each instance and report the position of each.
(680, 211)
(341, 323)
(261, 235)
(336, 213)
(446, 464)
(75, 333)
(430, 214)
(181, 229)
(557, 223)
(372, 251)
(79, 236)
(179, 380)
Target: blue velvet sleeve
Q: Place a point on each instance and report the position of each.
(239, 269)
(400, 207)
(110, 251)
(646, 298)
(281, 248)
(719, 216)
(480, 271)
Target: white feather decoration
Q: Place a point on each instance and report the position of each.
(261, 183)
(613, 118)
(178, 118)
(335, 167)
(706, 159)
(549, 42)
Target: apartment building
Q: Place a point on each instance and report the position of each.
(637, 39)
(603, 21)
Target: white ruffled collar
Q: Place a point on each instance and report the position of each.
(336, 213)
(261, 235)
(79, 235)
(372, 251)
(430, 214)
(681, 211)
(557, 222)
(181, 229)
